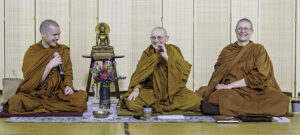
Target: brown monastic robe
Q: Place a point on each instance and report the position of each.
(262, 95)
(161, 83)
(33, 96)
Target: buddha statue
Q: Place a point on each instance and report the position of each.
(102, 37)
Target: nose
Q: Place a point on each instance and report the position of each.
(243, 30)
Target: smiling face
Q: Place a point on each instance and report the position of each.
(51, 35)
(158, 37)
(243, 31)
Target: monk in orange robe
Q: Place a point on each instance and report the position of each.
(160, 78)
(43, 88)
(243, 82)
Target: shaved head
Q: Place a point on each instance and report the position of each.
(46, 23)
(160, 28)
(244, 20)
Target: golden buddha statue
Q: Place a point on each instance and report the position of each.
(102, 39)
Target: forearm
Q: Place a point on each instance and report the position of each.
(238, 84)
(165, 58)
(46, 73)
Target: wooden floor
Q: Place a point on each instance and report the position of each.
(273, 128)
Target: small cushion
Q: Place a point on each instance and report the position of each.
(10, 86)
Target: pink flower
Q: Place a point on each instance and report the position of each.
(96, 79)
(104, 73)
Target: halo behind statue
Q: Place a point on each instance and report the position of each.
(107, 29)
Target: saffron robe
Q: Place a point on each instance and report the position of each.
(262, 95)
(161, 83)
(48, 96)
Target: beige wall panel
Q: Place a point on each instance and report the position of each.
(276, 34)
(57, 10)
(244, 9)
(178, 20)
(211, 35)
(146, 14)
(298, 51)
(82, 38)
(1, 42)
(117, 14)
(19, 33)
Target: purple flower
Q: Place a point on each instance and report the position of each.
(101, 78)
(112, 71)
(107, 77)
(110, 74)
(95, 64)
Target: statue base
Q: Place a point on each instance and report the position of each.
(102, 52)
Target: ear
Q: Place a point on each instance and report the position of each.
(167, 39)
(43, 34)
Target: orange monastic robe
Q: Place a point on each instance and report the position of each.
(48, 96)
(161, 83)
(262, 95)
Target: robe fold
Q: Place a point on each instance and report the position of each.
(161, 83)
(48, 96)
(262, 95)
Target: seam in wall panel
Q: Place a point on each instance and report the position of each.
(4, 40)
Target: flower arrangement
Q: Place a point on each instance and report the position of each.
(104, 74)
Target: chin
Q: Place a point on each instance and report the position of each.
(53, 45)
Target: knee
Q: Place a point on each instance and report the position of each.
(193, 101)
(15, 99)
(216, 95)
(133, 106)
(15, 104)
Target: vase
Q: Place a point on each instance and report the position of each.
(104, 102)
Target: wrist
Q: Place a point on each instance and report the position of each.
(230, 86)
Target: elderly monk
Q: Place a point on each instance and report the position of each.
(243, 81)
(43, 88)
(159, 79)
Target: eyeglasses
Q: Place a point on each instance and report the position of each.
(158, 37)
(245, 29)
